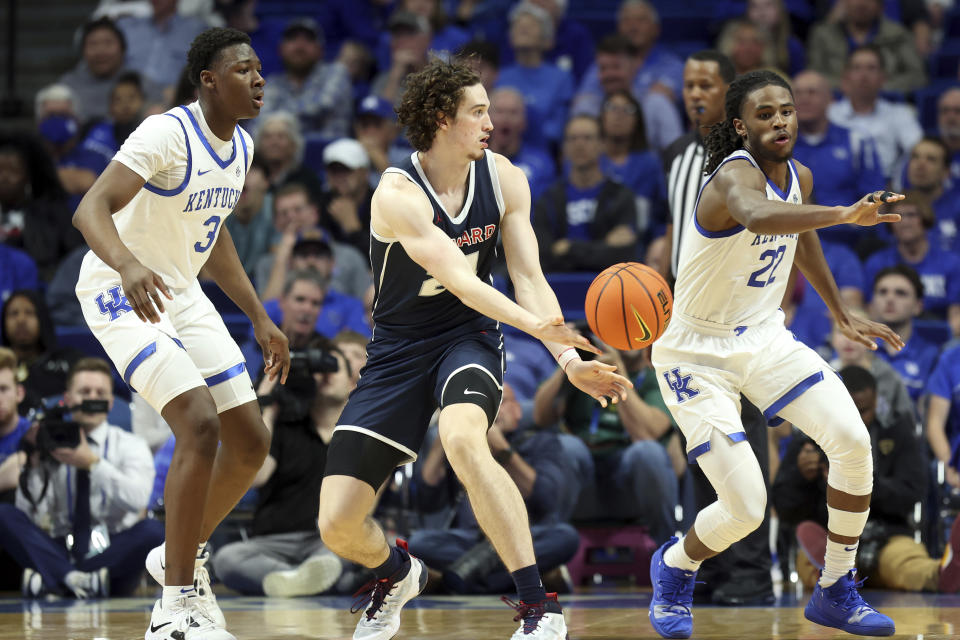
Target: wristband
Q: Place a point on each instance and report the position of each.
(503, 457)
(567, 356)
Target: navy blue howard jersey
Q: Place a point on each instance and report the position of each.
(408, 299)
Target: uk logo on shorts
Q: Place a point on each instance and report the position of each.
(115, 305)
(680, 385)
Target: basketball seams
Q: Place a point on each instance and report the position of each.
(653, 303)
(623, 306)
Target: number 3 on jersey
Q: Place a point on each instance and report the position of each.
(201, 247)
(774, 256)
(432, 287)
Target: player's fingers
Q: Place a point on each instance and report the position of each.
(603, 366)
(888, 217)
(865, 340)
(602, 400)
(158, 281)
(136, 305)
(286, 370)
(582, 343)
(155, 295)
(148, 309)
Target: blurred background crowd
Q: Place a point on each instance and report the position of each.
(604, 105)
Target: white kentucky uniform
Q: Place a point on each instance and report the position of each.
(727, 334)
(193, 181)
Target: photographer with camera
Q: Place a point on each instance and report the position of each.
(78, 528)
(284, 555)
(887, 551)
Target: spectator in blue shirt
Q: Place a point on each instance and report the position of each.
(928, 172)
(628, 160)
(508, 112)
(897, 300)
(160, 42)
(616, 63)
(375, 127)
(446, 38)
(317, 92)
(12, 426)
(939, 270)
(943, 414)
(585, 221)
(17, 271)
(948, 124)
(811, 321)
(771, 17)
(657, 69)
(410, 36)
(573, 44)
(546, 88)
(847, 161)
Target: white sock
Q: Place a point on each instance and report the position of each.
(676, 557)
(839, 559)
(170, 594)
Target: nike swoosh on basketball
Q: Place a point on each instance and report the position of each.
(643, 325)
(154, 629)
(475, 393)
(200, 173)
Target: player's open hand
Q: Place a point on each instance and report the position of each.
(275, 347)
(866, 212)
(554, 330)
(599, 380)
(142, 288)
(863, 331)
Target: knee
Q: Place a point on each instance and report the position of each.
(851, 447)
(751, 510)
(462, 443)
(646, 453)
(253, 446)
(199, 428)
(337, 527)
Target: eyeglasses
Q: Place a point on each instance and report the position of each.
(626, 109)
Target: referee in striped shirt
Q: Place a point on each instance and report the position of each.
(706, 76)
(740, 575)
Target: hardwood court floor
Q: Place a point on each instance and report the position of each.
(594, 616)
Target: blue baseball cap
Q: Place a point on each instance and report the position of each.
(374, 105)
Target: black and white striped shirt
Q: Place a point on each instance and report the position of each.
(683, 165)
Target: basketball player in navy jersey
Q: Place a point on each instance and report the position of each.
(152, 220)
(435, 222)
(727, 337)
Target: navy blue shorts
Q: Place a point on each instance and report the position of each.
(404, 382)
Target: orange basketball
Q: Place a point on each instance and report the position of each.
(628, 306)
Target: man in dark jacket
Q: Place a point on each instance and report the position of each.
(887, 553)
(585, 221)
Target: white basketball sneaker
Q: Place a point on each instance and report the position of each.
(156, 566)
(183, 619)
(315, 575)
(381, 620)
(540, 620)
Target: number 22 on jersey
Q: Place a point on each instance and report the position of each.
(771, 259)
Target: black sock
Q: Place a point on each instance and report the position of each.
(529, 586)
(395, 567)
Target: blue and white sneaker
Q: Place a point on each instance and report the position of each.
(672, 598)
(841, 607)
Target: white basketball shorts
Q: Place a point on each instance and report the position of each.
(190, 347)
(702, 369)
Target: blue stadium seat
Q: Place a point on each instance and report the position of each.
(571, 290)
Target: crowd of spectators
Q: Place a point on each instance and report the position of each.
(605, 114)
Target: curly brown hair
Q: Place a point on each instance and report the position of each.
(436, 89)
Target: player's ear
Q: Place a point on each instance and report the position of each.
(208, 80)
(441, 120)
(740, 127)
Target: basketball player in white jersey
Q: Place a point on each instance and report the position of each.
(152, 220)
(728, 336)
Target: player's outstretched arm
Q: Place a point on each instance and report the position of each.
(533, 292)
(225, 268)
(400, 210)
(739, 194)
(116, 187)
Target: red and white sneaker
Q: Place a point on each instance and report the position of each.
(539, 620)
(385, 598)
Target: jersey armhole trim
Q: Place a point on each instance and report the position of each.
(186, 178)
(495, 179)
(243, 143)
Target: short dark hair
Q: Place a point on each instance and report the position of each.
(906, 271)
(870, 48)
(435, 89)
(129, 77)
(207, 46)
(616, 44)
(104, 22)
(727, 70)
(937, 141)
(96, 365)
(291, 188)
(303, 275)
(857, 379)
